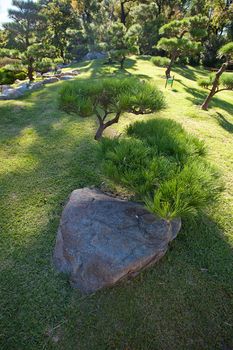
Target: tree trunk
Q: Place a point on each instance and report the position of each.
(110, 61)
(99, 132)
(62, 54)
(103, 126)
(123, 14)
(30, 71)
(168, 70)
(214, 88)
(205, 104)
(122, 62)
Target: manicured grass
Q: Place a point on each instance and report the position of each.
(184, 302)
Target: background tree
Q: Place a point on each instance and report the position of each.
(90, 15)
(220, 19)
(3, 38)
(38, 57)
(120, 42)
(26, 23)
(76, 27)
(150, 20)
(41, 57)
(124, 7)
(109, 98)
(219, 82)
(61, 20)
(181, 38)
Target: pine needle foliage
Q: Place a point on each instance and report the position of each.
(164, 167)
(109, 98)
(160, 61)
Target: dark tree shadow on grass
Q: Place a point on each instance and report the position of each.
(198, 96)
(112, 69)
(186, 72)
(224, 123)
(31, 201)
(145, 57)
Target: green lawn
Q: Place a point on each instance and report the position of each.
(183, 302)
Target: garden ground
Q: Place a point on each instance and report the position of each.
(184, 302)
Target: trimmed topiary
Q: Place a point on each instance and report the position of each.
(164, 167)
(181, 38)
(160, 61)
(108, 98)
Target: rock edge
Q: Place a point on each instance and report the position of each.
(102, 240)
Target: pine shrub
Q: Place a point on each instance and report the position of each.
(160, 61)
(164, 167)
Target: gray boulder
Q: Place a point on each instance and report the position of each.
(75, 72)
(102, 240)
(35, 86)
(50, 80)
(11, 94)
(66, 77)
(47, 75)
(94, 55)
(69, 73)
(23, 87)
(63, 65)
(5, 88)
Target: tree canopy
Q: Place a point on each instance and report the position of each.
(181, 37)
(181, 29)
(108, 98)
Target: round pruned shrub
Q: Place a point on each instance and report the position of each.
(163, 166)
(109, 98)
(160, 61)
(167, 137)
(9, 74)
(21, 75)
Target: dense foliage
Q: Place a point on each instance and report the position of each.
(160, 61)
(182, 38)
(9, 74)
(120, 42)
(119, 28)
(163, 166)
(108, 98)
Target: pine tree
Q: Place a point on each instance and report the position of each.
(26, 22)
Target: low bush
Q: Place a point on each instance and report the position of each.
(45, 65)
(21, 75)
(166, 137)
(163, 166)
(206, 81)
(160, 61)
(8, 75)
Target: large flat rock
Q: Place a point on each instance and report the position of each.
(102, 240)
